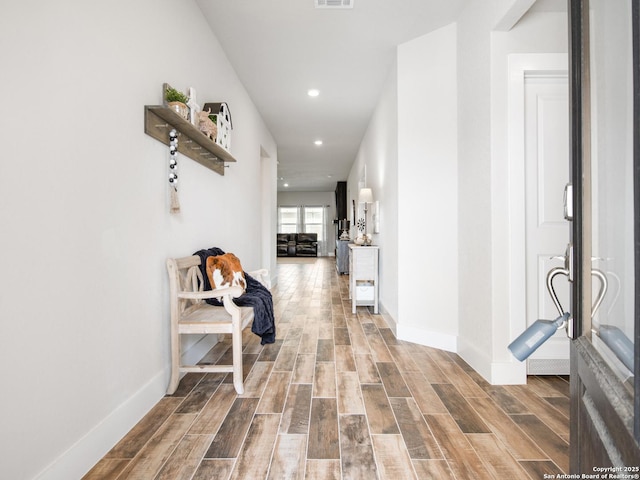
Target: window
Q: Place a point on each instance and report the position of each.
(314, 221)
(287, 219)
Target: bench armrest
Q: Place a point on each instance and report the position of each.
(216, 293)
(262, 275)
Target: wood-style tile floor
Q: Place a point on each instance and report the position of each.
(338, 397)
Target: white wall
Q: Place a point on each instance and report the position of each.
(85, 223)
(269, 170)
(376, 164)
(474, 182)
(428, 193)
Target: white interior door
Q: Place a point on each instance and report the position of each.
(546, 139)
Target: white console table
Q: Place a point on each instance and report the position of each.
(363, 276)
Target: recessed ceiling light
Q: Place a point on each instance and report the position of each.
(286, 184)
(313, 92)
(318, 142)
(334, 3)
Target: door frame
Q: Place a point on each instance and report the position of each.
(635, 13)
(519, 66)
(605, 416)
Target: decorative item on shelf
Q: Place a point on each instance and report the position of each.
(174, 203)
(375, 216)
(222, 118)
(353, 213)
(207, 125)
(365, 196)
(194, 108)
(176, 100)
(344, 226)
(361, 237)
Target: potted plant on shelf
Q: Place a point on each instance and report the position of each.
(177, 101)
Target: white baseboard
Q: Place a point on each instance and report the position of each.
(508, 373)
(496, 373)
(427, 338)
(88, 450)
(391, 322)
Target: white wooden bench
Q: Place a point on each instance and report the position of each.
(190, 314)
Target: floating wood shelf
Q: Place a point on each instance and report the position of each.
(158, 122)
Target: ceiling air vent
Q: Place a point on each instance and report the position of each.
(334, 3)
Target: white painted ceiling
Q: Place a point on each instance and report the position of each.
(282, 48)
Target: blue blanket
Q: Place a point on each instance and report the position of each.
(256, 296)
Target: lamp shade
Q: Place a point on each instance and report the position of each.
(365, 195)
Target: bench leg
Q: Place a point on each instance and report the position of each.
(175, 364)
(173, 383)
(236, 345)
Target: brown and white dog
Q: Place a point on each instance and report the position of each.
(225, 271)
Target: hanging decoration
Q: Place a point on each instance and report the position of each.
(174, 204)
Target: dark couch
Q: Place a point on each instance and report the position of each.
(307, 245)
(297, 244)
(286, 244)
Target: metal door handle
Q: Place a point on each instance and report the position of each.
(604, 285)
(568, 202)
(554, 272)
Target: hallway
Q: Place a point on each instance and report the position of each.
(337, 396)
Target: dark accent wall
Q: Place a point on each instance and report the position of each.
(341, 200)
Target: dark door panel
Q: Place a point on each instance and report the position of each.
(605, 235)
(604, 414)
